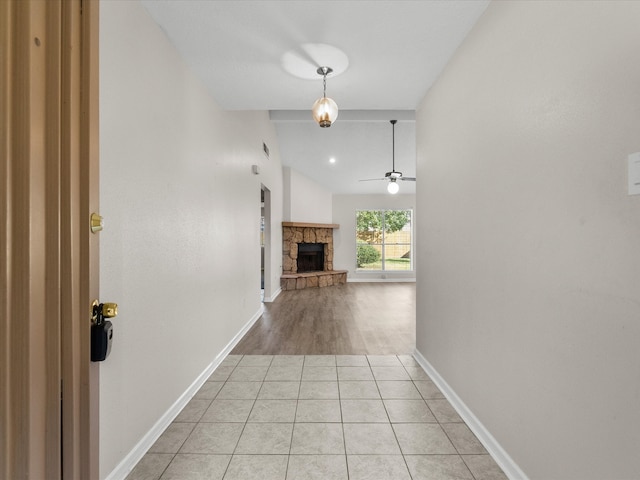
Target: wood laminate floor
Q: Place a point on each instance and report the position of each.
(351, 319)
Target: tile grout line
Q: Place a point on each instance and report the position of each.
(344, 437)
(404, 457)
(293, 426)
(245, 423)
(249, 414)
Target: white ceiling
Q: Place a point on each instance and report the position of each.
(262, 55)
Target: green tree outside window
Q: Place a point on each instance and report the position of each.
(387, 232)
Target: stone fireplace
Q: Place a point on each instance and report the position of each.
(307, 256)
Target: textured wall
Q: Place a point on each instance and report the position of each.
(305, 200)
(528, 260)
(180, 251)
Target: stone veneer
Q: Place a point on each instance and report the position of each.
(294, 233)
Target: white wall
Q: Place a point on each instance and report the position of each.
(304, 199)
(180, 251)
(528, 244)
(344, 238)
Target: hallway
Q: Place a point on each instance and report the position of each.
(328, 415)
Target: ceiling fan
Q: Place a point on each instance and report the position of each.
(393, 176)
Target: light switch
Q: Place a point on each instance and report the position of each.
(634, 174)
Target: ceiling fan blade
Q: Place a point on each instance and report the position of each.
(408, 179)
(371, 179)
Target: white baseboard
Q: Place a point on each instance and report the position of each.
(502, 458)
(380, 280)
(135, 455)
(274, 296)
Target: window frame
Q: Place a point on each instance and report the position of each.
(383, 244)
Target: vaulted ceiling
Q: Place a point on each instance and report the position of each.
(263, 55)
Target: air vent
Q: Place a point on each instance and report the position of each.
(266, 149)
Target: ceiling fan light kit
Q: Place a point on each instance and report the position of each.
(393, 186)
(324, 110)
(393, 176)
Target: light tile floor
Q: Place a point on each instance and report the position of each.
(326, 417)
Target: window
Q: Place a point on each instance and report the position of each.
(383, 240)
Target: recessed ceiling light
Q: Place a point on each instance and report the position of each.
(332, 160)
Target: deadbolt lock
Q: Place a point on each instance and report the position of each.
(109, 310)
(100, 311)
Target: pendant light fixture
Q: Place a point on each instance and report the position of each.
(324, 110)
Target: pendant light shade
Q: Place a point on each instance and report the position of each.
(324, 110)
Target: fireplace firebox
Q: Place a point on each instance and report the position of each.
(310, 257)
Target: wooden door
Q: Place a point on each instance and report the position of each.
(48, 257)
